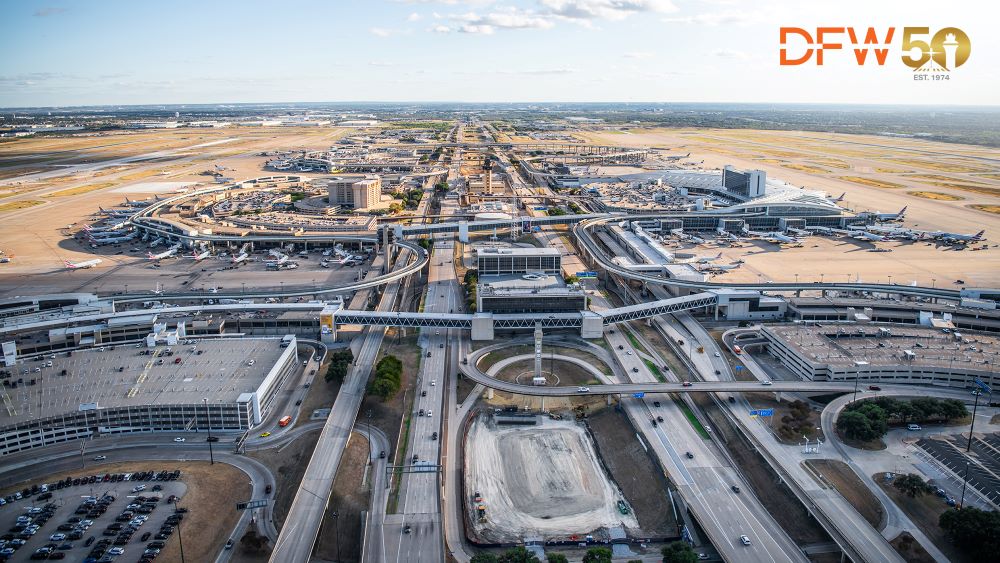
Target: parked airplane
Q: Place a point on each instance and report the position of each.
(199, 256)
(112, 227)
(719, 268)
(165, 254)
(884, 217)
(116, 212)
(82, 265)
(841, 198)
(865, 235)
(242, 257)
(952, 238)
(114, 240)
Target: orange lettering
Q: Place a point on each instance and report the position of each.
(784, 32)
(820, 32)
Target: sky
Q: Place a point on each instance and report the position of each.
(80, 52)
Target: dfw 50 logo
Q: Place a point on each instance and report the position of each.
(924, 52)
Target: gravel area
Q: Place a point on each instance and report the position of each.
(543, 480)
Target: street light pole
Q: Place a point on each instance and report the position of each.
(968, 447)
(336, 525)
(180, 539)
(857, 376)
(208, 422)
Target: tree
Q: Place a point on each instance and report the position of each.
(597, 555)
(679, 552)
(855, 425)
(556, 558)
(483, 558)
(974, 531)
(517, 555)
(911, 484)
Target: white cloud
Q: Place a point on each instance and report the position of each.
(731, 54)
(638, 55)
(414, 17)
(509, 18)
(610, 10)
(48, 11)
(714, 18)
(440, 29)
(380, 31)
(381, 63)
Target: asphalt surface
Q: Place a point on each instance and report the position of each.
(298, 535)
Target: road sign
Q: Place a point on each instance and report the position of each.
(638, 395)
(982, 385)
(586, 274)
(762, 412)
(738, 367)
(251, 504)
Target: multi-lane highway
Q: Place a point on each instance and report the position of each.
(298, 535)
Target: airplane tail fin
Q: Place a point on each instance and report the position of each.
(841, 197)
(902, 212)
(980, 234)
(68, 263)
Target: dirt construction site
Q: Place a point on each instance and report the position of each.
(540, 480)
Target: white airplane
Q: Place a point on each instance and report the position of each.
(779, 238)
(242, 257)
(956, 237)
(165, 254)
(885, 217)
(82, 265)
(281, 259)
(114, 240)
(135, 203)
(865, 235)
(198, 257)
(112, 227)
(156, 242)
(719, 268)
(116, 212)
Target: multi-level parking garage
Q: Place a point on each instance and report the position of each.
(223, 385)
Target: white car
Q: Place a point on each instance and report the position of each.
(101, 458)
(116, 551)
(251, 362)
(434, 382)
(583, 389)
(629, 352)
(138, 488)
(57, 537)
(179, 440)
(765, 382)
(717, 355)
(744, 540)
(428, 412)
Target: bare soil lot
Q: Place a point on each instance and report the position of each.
(543, 479)
(348, 499)
(641, 480)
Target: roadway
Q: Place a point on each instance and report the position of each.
(302, 524)
(419, 506)
(420, 492)
(378, 443)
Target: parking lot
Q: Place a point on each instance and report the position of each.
(98, 517)
(983, 463)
